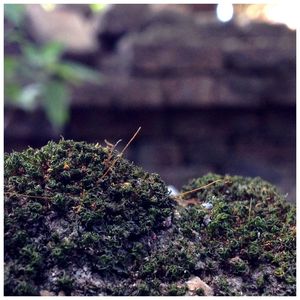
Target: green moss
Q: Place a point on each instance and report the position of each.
(143, 289)
(200, 292)
(260, 281)
(238, 266)
(57, 199)
(65, 283)
(122, 234)
(23, 288)
(249, 226)
(170, 264)
(175, 290)
(222, 286)
(279, 272)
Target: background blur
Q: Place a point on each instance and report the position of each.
(213, 87)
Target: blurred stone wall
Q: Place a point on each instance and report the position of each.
(209, 96)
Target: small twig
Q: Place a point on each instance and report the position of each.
(127, 145)
(121, 154)
(198, 189)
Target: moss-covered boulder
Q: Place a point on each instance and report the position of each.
(247, 235)
(81, 220)
(78, 218)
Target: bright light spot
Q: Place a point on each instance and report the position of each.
(282, 13)
(278, 12)
(48, 6)
(96, 7)
(225, 12)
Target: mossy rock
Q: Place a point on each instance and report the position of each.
(73, 227)
(247, 234)
(67, 225)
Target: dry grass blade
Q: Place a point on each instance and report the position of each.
(197, 189)
(121, 154)
(111, 148)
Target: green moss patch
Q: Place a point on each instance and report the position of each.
(81, 220)
(247, 233)
(61, 214)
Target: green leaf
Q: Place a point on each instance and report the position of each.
(32, 55)
(14, 36)
(10, 66)
(56, 103)
(11, 92)
(51, 52)
(75, 73)
(43, 57)
(14, 13)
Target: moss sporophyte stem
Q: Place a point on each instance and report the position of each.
(121, 153)
(199, 188)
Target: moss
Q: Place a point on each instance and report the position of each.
(260, 281)
(57, 199)
(65, 284)
(122, 234)
(32, 260)
(200, 292)
(238, 266)
(279, 272)
(170, 264)
(175, 290)
(23, 288)
(222, 286)
(249, 226)
(143, 289)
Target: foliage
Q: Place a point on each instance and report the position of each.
(36, 75)
(97, 7)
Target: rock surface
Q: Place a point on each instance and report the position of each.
(195, 284)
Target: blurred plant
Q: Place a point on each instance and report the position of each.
(37, 75)
(97, 7)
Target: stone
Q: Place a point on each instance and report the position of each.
(207, 205)
(190, 91)
(135, 92)
(119, 19)
(253, 59)
(206, 220)
(196, 283)
(61, 293)
(167, 16)
(168, 50)
(46, 293)
(244, 91)
(120, 91)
